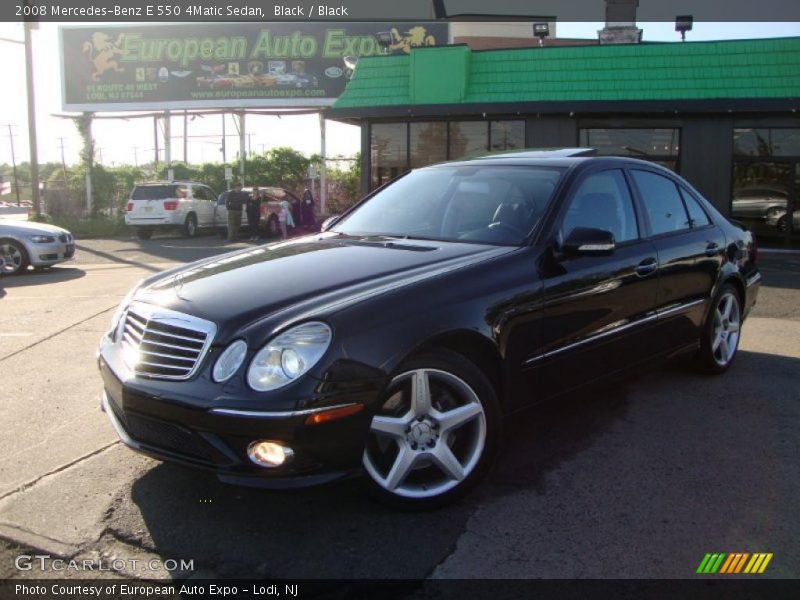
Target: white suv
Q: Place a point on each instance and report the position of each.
(188, 205)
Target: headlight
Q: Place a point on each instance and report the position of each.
(288, 356)
(43, 239)
(229, 361)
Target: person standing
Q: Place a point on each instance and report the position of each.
(307, 210)
(254, 213)
(233, 203)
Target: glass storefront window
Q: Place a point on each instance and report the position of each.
(766, 142)
(468, 138)
(427, 143)
(388, 152)
(761, 197)
(659, 145)
(507, 135)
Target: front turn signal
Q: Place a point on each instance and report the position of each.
(333, 414)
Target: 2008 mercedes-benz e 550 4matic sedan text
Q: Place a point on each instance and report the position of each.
(394, 342)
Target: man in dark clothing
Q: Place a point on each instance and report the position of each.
(234, 203)
(254, 213)
(307, 210)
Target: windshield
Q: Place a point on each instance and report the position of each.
(486, 204)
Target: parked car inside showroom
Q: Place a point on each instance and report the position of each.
(394, 343)
(27, 243)
(186, 206)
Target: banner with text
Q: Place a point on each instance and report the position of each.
(224, 65)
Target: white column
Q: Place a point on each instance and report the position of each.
(242, 146)
(167, 139)
(323, 192)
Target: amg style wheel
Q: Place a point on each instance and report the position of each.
(721, 336)
(435, 434)
(15, 257)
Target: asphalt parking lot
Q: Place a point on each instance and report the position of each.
(634, 479)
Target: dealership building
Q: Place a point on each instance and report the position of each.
(723, 114)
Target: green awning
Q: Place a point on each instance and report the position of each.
(658, 72)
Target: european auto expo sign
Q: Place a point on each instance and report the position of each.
(223, 64)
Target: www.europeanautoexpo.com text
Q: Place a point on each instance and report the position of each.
(156, 591)
(305, 11)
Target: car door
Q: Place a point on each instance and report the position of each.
(221, 211)
(691, 251)
(204, 205)
(596, 308)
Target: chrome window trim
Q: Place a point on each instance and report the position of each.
(622, 327)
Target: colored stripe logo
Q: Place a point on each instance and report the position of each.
(734, 562)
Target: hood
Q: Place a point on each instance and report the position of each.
(309, 275)
(30, 228)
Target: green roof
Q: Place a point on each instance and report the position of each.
(447, 75)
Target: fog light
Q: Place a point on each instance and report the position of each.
(269, 454)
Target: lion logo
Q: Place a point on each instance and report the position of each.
(414, 37)
(101, 51)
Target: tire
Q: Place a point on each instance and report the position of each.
(190, 226)
(783, 224)
(273, 227)
(16, 257)
(144, 233)
(721, 333)
(424, 454)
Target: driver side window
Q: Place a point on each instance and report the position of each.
(603, 201)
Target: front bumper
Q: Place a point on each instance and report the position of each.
(211, 438)
(43, 255)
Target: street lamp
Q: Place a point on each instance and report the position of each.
(683, 23)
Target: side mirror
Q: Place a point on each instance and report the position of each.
(587, 241)
(330, 222)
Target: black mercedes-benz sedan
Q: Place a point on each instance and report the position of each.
(394, 343)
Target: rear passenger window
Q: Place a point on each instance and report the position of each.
(662, 203)
(697, 215)
(603, 202)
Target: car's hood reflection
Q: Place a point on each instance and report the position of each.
(253, 283)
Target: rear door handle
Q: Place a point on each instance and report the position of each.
(712, 249)
(646, 267)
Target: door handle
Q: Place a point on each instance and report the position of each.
(712, 249)
(646, 267)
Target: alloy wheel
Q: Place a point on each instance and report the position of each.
(725, 332)
(13, 257)
(428, 437)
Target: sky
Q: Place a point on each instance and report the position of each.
(127, 142)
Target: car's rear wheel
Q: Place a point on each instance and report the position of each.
(190, 226)
(16, 258)
(435, 434)
(720, 340)
(144, 233)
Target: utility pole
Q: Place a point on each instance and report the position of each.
(155, 141)
(32, 121)
(224, 157)
(185, 137)
(63, 164)
(136, 156)
(13, 162)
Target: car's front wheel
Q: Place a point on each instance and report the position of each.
(15, 257)
(435, 434)
(720, 339)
